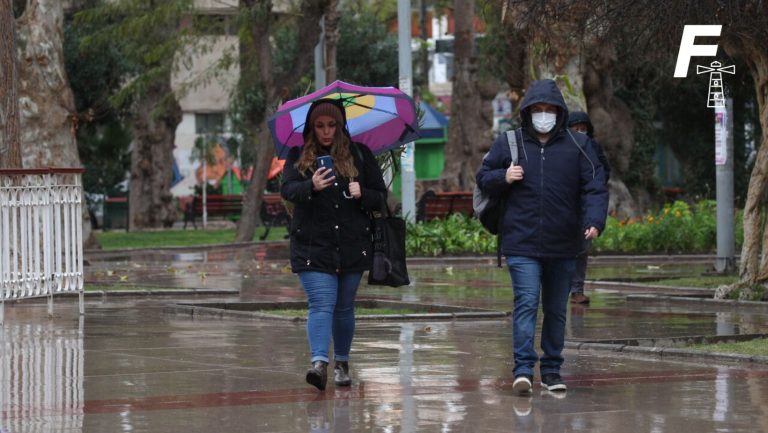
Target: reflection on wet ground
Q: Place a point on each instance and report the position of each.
(127, 366)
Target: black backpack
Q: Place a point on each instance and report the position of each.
(488, 209)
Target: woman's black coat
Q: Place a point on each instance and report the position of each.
(329, 232)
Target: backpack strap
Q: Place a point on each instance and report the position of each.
(512, 142)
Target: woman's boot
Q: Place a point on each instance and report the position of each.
(341, 374)
(318, 375)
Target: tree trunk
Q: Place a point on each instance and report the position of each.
(150, 201)
(332, 18)
(753, 267)
(470, 127)
(48, 118)
(256, 64)
(47, 105)
(614, 125)
(10, 144)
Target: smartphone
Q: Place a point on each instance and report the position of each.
(327, 162)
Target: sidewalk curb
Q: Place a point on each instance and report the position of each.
(144, 293)
(665, 353)
(733, 303)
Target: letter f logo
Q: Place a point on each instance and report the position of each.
(688, 49)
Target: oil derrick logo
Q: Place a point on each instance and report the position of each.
(716, 94)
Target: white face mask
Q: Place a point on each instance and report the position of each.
(543, 122)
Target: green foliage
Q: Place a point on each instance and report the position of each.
(366, 52)
(676, 228)
(457, 234)
(642, 161)
(147, 37)
(102, 140)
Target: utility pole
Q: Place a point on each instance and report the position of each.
(725, 261)
(407, 172)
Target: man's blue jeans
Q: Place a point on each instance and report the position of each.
(550, 280)
(331, 312)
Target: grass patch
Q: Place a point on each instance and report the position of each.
(358, 312)
(711, 282)
(115, 240)
(756, 347)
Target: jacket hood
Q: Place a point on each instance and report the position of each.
(543, 91)
(581, 117)
(336, 102)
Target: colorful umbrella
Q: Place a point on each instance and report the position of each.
(382, 118)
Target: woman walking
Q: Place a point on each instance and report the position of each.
(330, 234)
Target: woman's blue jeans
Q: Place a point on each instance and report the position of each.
(331, 312)
(550, 280)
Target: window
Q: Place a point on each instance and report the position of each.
(209, 123)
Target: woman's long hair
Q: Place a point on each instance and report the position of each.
(343, 162)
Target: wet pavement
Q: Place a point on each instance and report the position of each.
(129, 366)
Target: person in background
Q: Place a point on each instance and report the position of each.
(579, 122)
(554, 198)
(330, 233)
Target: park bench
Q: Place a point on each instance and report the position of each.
(228, 206)
(273, 213)
(438, 205)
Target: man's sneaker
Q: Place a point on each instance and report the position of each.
(579, 298)
(522, 384)
(552, 382)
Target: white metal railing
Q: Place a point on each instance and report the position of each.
(41, 234)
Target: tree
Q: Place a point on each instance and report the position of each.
(46, 103)
(150, 40)
(103, 139)
(262, 86)
(471, 120)
(364, 40)
(10, 144)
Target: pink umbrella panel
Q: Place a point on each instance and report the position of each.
(382, 118)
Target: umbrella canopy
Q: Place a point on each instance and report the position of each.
(432, 123)
(381, 118)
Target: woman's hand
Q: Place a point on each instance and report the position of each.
(354, 189)
(319, 181)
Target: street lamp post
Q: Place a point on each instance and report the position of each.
(407, 173)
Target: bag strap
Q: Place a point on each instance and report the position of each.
(512, 141)
(362, 159)
(594, 171)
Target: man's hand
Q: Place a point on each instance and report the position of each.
(514, 173)
(591, 233)
(319, 181)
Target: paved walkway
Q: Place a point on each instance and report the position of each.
(128, 366)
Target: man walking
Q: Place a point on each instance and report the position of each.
(555, 197)
(579, 122)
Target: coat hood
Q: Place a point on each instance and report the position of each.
(543, 91)
(581, 117)
(336, 102)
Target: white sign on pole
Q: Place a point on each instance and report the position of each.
(721, 136)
